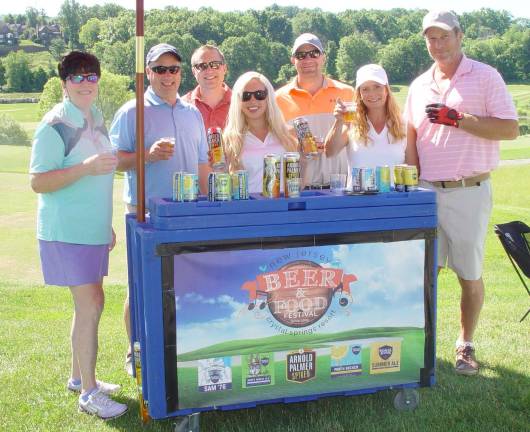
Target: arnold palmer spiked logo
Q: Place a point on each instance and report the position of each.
(299, 293)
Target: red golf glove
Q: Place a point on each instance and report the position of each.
(442, 114)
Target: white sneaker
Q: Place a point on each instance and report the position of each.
(103, 387)
(101, 405)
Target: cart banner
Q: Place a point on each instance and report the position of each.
(265, 324)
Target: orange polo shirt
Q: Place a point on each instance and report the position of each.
(317, 109)
(212, 117)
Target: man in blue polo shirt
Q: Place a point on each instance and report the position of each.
(174, 138)
(166, 117)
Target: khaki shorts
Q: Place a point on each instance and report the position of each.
(463, 216)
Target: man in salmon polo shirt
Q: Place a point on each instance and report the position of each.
(457, 112)
(312, 95)
(212, 95)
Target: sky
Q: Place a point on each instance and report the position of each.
(516, 7)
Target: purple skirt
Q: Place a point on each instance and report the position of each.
(68, 264)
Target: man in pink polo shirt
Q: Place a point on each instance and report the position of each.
(212, 95)
(457, 112)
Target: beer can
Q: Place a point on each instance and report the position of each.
(215, 144)
(240, 185)
(356, 179)
(291, 175)
(306, 140)
(144, 414)
(271, 176)
(177, 186)
(383, 178)
(211, 186)
(368, 180)
(190, 187)
(223, 187)
(410, 178)
(398, 177)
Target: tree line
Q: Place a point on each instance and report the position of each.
(262, 40)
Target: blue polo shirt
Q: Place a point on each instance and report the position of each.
(81, 212)
(182, 121)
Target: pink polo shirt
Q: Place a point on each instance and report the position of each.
(212, 117)
(446, 152)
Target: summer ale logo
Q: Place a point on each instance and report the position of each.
(299, 293)
(385, 356)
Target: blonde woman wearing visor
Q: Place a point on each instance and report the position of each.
(377, 136)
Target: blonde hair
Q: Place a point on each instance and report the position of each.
(237, 126)
(394, 120)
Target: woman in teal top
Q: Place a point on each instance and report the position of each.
(72, 170)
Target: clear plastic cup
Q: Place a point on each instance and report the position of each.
(337, 183)
(350, 112)
(169, 141)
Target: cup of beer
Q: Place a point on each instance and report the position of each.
(169, 142)
(349, 112)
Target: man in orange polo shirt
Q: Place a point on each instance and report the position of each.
(313, 96)
(212, 95)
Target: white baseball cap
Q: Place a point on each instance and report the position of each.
(445, 20)
(370, 72)
(307, 38)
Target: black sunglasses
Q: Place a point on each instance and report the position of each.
(301, 55)
(201, 67)
(258, 95)
(161, 70)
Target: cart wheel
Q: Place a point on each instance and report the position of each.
(406, 399)
(189, 423)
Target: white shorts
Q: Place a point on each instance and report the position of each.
(463, 216)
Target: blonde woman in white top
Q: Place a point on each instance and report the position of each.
(255, 127)
(377, 136)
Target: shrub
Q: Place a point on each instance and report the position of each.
(11, 132)
(51, 95)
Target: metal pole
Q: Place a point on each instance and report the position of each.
(140, 157)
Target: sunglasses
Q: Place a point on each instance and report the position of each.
(258, 95)
(92, 78)
(301, 55)
(161, 70)
(201, 67)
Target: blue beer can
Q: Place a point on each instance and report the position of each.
(383, 178)
(356, 179)
(177, 186)
(368, 180)
(240, 185)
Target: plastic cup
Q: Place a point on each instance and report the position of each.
(350, 112)
(169, 141)
(337, 183)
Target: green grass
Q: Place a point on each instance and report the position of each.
(517, 149)
(28, 42)
(42, 59)
(35, 321)
(22, 112)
